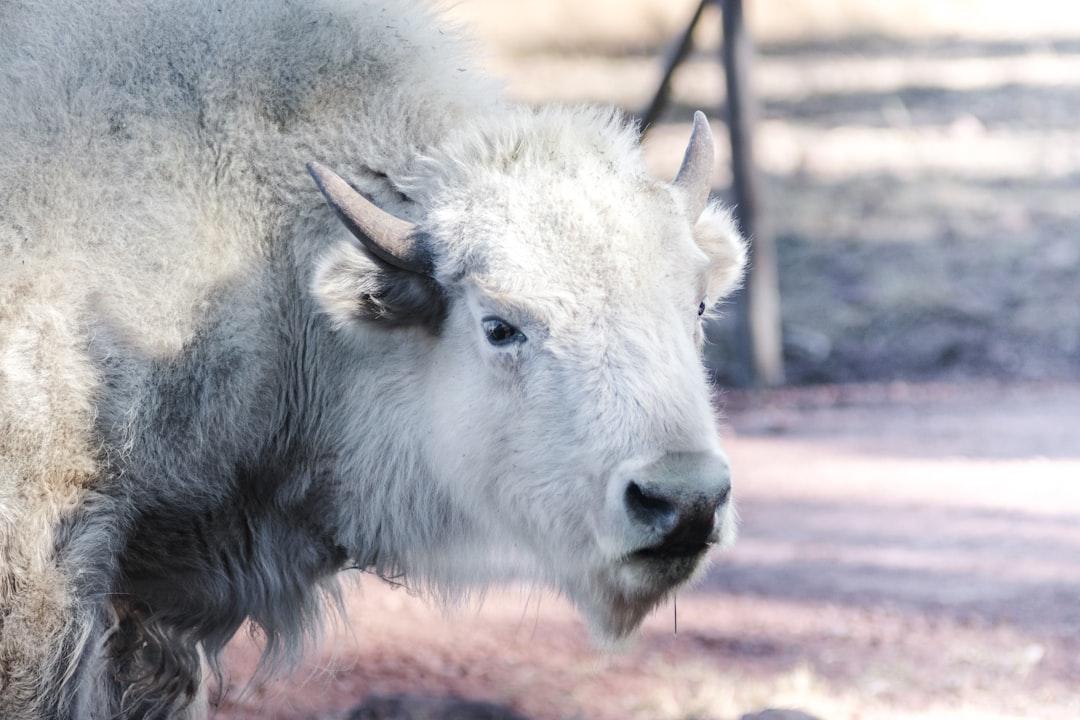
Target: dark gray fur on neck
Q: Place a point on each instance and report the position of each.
(217, 512)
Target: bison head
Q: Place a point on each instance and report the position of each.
(549, 301)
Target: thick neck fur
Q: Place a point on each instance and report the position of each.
(233, 501)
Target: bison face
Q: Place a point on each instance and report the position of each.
(566, 419)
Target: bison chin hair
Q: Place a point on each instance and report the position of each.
(617, 600)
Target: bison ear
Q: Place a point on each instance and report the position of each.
(384, 276)
(352, 286)
(717, 235)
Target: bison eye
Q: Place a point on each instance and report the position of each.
(499, 332)
(701, 309)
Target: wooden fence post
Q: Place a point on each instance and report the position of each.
(676, 55)
(760, 337)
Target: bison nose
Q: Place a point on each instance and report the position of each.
(673, 503)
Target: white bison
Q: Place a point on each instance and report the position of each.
(469, 351)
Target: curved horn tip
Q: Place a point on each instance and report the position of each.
(701, 123)
(321, 174)
(701, 140)
(324, 178)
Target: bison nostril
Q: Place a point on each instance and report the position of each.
(650, 510)
(690, 537)
(673, 504)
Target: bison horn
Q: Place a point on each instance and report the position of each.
(695, 175)
(389, 238)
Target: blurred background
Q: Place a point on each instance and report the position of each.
(910, 498)
(920, 164)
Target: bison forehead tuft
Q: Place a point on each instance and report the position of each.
(554, 203)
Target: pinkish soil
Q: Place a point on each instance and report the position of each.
(906, 551)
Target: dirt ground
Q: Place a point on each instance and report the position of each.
(906, 551)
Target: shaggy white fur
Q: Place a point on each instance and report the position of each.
(212, 398)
